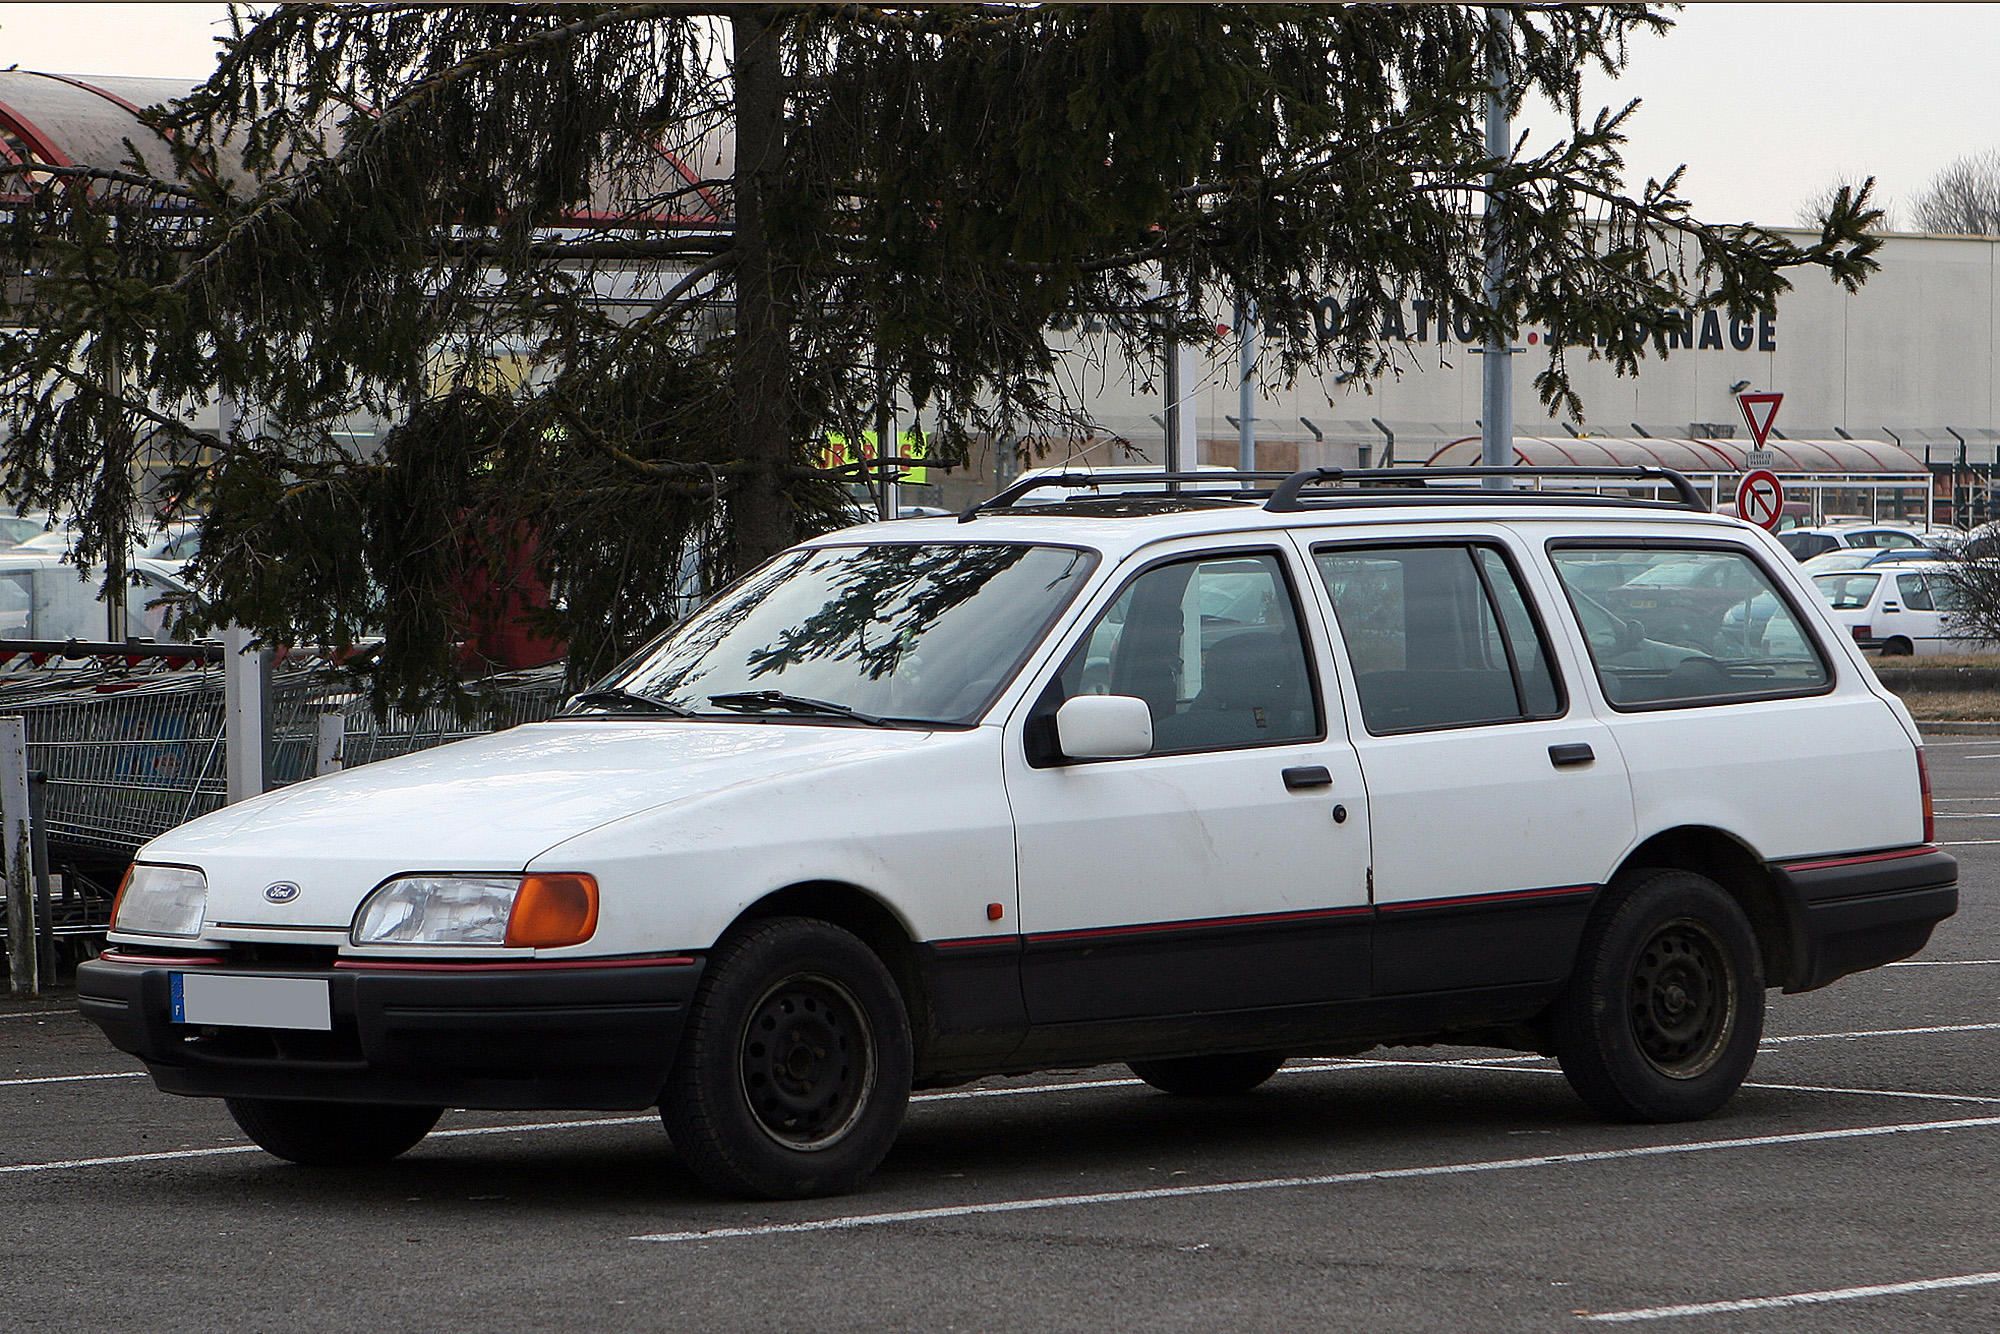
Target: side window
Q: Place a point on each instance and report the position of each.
(1692, 626)
(1916, 594)
(1438, 636)
(1212, 646)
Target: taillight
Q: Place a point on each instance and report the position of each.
(1862, 633)
(1924, 786)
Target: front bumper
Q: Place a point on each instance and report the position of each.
(597, 1035)
(1865, 910)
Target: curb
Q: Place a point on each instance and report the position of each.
(1970, 727)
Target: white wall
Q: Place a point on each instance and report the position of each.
(1915, 348)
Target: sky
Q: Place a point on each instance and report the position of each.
(1766, 103)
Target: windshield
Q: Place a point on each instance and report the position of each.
(905, 632)
(1846, 592)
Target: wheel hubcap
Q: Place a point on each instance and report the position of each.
(1683, 999)
(807, 1062)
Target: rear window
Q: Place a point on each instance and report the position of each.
(1846, 592)
(1697, 625)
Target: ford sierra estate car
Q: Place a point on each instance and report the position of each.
(1195, 777)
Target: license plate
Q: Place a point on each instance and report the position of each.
(252, 1002)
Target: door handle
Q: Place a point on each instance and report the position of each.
(1307, 775)
(1575, 752)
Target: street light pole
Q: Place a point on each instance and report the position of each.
(1496, 417)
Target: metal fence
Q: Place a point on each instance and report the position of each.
(125, 752)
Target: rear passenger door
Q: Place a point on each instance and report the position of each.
(1498, 801)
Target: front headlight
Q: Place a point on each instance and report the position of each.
(161, 901)
(487, 910)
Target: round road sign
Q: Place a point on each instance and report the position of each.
(1760, 499)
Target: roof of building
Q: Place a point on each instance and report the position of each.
(1697, 455)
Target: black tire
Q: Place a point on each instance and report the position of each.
(332, 1134)
(794, 1067)
(1898, 647)
(1209, 1076)
(1662, 1016)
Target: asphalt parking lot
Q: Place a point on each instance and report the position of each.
(1849, 1186)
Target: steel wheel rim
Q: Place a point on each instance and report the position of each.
(1682, 999)
(806, 1064)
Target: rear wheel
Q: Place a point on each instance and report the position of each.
(794, 1067)
(332, 1134)
(1661, 1019)
(1210, 1076)
(1898, 647)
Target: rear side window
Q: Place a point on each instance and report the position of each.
(1806, 545)
(1438, 636)
(1695, 625)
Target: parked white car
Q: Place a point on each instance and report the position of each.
(1194, 782)
(1900, 608)
(44, 599)
(1805, 543)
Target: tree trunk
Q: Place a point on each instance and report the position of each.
(760, 377)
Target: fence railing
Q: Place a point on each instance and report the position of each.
(127, 741)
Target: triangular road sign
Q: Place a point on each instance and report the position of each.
(1759, 410)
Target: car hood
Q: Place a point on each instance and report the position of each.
(488, 804)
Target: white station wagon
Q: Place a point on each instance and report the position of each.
(1195, 778)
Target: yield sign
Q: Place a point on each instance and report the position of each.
(1761, 498)
(1760, 410)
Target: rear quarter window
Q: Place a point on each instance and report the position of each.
(1692, 625)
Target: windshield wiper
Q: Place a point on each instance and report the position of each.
(757, 701)
(617, 697)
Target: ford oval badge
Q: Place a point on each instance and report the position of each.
(282, 892)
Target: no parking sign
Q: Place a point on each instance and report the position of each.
(1761, 499)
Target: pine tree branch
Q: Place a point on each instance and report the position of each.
(107, 174)
(409, 104)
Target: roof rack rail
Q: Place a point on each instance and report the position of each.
(1287, 500)
(1213, 482)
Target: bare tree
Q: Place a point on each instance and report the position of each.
(1964, 198)
(1815, 207)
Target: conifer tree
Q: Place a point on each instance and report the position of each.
(473, 222)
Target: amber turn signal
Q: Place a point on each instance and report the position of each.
(553, 910)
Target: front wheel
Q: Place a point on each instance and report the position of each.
(1662, 1016)
(1209, 1076)
(794, 1067)
(332, 1134)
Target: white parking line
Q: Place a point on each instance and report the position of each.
(69, 1079)
(1943, 963)
(1332, 1063)
(1304, 1066)
(851, 1221)
(1969, 842)
(1800, 1298)
(1876, 1093)
(1882, 1033)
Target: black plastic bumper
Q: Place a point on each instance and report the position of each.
(544, 1036)
(1862, 911)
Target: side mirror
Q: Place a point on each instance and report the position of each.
(1104, 727)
